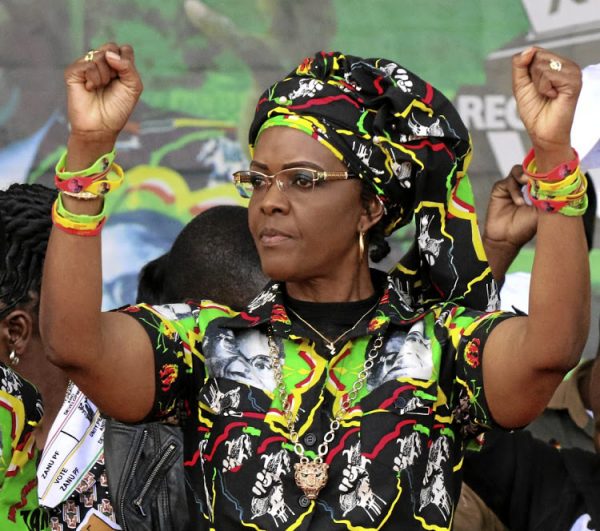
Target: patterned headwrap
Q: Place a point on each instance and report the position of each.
(406, 140)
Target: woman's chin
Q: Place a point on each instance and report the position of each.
(280, 270)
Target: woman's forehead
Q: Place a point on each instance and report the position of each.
(280, 146)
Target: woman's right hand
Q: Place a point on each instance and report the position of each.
(101, 94)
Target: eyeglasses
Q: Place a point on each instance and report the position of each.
(294, 182)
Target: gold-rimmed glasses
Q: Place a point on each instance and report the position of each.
(294, 182)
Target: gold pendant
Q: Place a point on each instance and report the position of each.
(311, 477)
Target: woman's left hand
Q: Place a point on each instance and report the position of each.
(525, 358)
(546, 87)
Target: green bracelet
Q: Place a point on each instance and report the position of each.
(103, 162)
(559, 192)
(576, 209)
(78, 218)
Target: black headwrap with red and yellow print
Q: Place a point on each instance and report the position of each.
(406, 140)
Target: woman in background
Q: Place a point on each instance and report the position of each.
(73, 485)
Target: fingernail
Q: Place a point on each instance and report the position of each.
(527, 50)
(113, 55)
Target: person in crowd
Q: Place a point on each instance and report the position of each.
(213, 270)
(531, 485)
(81, 496)
(20, 403)
(288, 429)
(151, 280)
(20, 412)
(26, 210)
(209, 270)
(520, 475)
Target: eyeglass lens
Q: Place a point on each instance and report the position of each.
(292, 181)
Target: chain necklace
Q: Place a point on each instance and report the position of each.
(330, 343)
(311, 476)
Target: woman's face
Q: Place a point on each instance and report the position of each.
(317, 236)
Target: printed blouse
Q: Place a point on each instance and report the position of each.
(20, 412)
(395, 462)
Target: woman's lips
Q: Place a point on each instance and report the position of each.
(269, 237)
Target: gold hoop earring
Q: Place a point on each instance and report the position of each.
(14, 358)
(361, 246)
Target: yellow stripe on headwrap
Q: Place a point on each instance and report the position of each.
(307, 124)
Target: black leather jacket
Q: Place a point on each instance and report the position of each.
(144, 464)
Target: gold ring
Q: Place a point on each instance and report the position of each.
(555, 65)
(89, 57)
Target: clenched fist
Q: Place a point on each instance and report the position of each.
(103, 88)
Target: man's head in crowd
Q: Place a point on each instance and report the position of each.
(213, 257)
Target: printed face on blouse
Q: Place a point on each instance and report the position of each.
(405, 355)
(243, 357)
(312, 237)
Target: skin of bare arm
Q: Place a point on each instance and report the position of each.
(108, 355)
(525, 358)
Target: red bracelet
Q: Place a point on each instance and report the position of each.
(76, 185)
(75, 232)
(545, 205)
(555, 174)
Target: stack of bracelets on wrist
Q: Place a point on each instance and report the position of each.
(79, 224)
(93, 182)
(562, 190)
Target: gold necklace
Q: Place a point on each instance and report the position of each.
(311, 476)
(330, 343)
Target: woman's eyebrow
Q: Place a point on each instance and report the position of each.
(294, 164)
(303, 164)
(259, 164)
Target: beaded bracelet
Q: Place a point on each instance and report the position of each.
(78, 224)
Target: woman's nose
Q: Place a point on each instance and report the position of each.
(275, 199)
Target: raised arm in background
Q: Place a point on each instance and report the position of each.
(510, 222)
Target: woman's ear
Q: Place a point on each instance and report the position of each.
(373, 212)
(17, 331)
